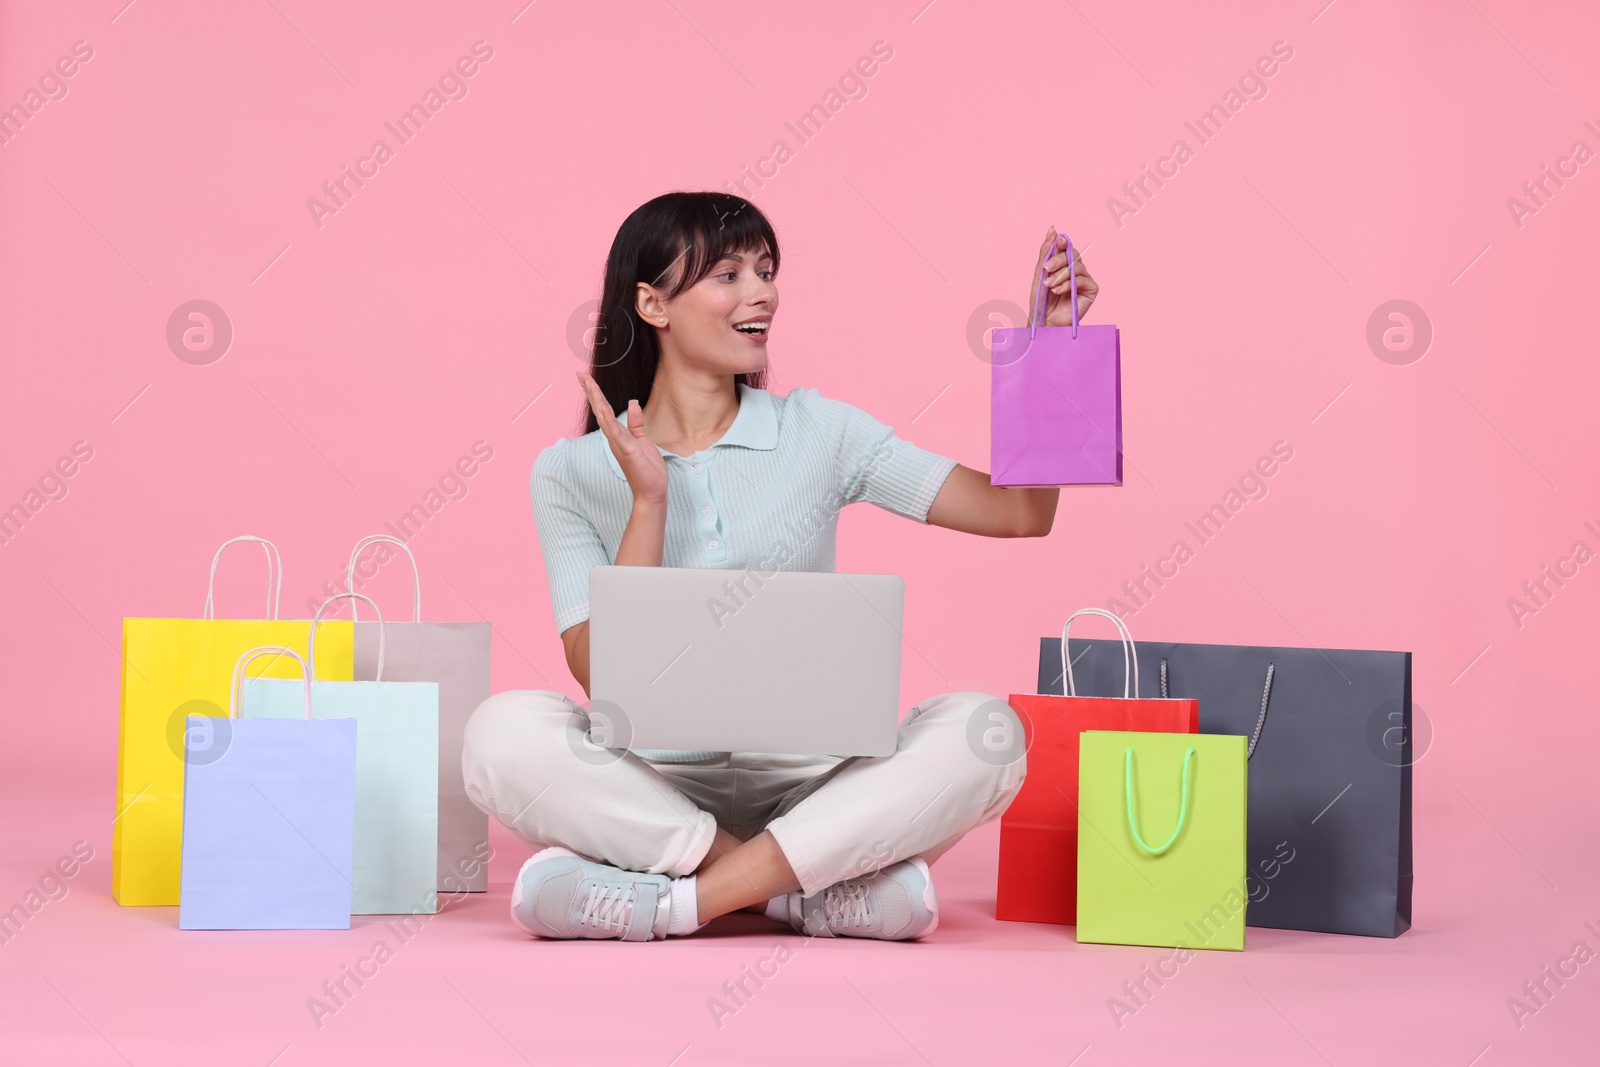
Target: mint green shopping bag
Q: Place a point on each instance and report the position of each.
(1161, 839)
(396, 775)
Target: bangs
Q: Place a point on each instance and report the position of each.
(670, 243)
(715, 227)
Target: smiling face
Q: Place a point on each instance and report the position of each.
(722, 322)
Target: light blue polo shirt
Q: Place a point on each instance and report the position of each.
(766, 496)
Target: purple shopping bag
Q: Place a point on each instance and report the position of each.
(1056, 400)
(269, 811)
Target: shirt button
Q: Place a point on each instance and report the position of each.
(713, 543)
(706, 510)
(698, 468)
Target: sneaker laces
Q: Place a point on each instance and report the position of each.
(608, 906)
(845, 904)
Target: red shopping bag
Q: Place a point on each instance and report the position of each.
(1039, 831)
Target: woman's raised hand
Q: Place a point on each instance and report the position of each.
(641, 461)
(1058, 283)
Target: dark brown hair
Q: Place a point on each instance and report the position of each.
(696, 228)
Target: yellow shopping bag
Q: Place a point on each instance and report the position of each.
(171, 669)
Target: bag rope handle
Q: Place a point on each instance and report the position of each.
(274, 569)
(1261, 719)
(311, 641)
(1183, 804)
(416, 575)
(238, 673)
(1038, 309)
(1129, 653)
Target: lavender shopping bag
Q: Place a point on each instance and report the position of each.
(1056, 400)
(269, 811)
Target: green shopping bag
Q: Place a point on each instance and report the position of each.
(1161, 839)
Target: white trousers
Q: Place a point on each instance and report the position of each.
(528, 762)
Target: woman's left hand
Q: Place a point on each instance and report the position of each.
(1058, 283)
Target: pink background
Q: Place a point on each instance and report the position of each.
(433, 312)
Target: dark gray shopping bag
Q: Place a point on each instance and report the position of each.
(1329, 772)
(456, 656)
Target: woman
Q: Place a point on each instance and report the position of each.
(710, 472)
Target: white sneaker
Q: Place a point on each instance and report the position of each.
(895, 904)
(560, 894)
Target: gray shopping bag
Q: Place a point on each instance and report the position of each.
(455, 655)
(1330, 768)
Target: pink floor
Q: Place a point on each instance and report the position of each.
(88, 982)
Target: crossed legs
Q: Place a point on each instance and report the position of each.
(527, 762)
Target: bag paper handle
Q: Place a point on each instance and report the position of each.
(416, 575)
(311, 642)
(1072, 270)
(238, 675)
(1183, 804)
(274, 575)
(1261, 719)
(1130, 655)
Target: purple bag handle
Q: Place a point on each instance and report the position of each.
(1072, 268)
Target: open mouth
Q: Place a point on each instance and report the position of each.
(756, 331)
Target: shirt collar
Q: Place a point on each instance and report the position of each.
(756, 426)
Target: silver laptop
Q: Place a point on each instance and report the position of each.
(799, 662)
